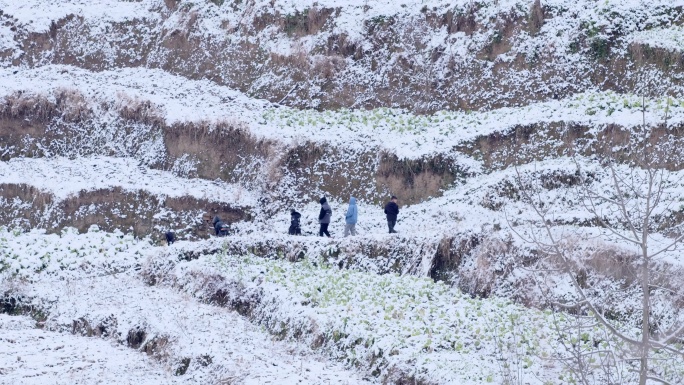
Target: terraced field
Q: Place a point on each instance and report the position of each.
(503, 127)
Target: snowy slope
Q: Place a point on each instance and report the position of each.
(37, 356)
(178, 100)
(37, 16)
(546, 49)
(391, 325)
(425, 80)
(89, 279)
(64, 177)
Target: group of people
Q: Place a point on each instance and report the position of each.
(222, 228)
(351, 217)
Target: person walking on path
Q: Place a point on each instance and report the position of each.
(217, 222)
(324, 217)
(170, 237)
(392, 211)
(351, 217)
(295, 228)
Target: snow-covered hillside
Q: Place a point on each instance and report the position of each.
(535, 147)
(418, 55)
(178, 100)
(88, 284)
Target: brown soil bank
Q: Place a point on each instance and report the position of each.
(225, 150)
(67, 125)
(417, 179)
(136, 211)
(371, 174)
(528, 143)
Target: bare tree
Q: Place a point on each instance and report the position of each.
(631, 213)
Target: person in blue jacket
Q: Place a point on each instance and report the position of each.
(351, 217)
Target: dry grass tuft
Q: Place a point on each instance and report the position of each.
(171, 4)
(536, 17)
(72, 104)
(316, 19)
(219, 149)
(485, 275)
(298, 60)
(326, 67)
(397, 376)
(414, 180)
(67, 104)
(613, 263)
(28, 105)
(644, 55)
(159, 348)
(142, 111)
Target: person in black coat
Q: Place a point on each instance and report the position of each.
(220, 227)
(295, 228)
(216, 223)
(170, 237)
(324, 217)
(223, 229)
(392, 211)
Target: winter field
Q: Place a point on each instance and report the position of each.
(535, 147)
(93, 285)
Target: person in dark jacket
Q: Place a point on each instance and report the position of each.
(223, 229)
(392, 211)
(324, 217)
(220, 227)
(295, 228)
(215, 222)
(170, 237)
